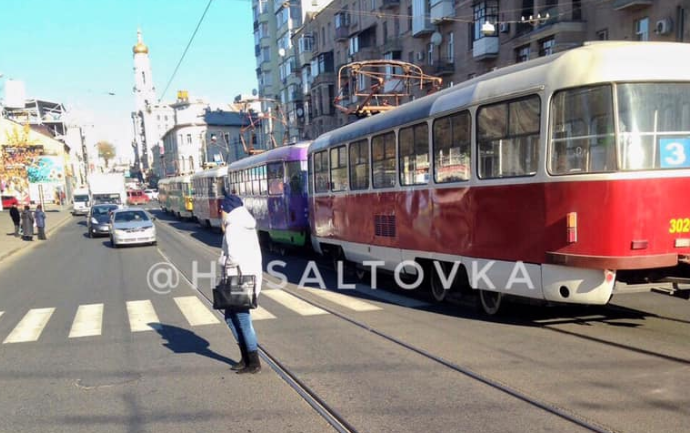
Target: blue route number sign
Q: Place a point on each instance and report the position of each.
(674, 152)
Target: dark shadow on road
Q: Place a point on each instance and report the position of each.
(181, 340)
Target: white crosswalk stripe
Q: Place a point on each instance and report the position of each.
(343, 300)
(88, 321)
(195, 311)
(293, 303)
(31, 326)
(142, 316)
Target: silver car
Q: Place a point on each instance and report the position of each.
(131, 226)
(98, 220)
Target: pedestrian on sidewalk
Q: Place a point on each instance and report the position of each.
(16, 218)
(241, 250)
(40, 218)
(27, 224)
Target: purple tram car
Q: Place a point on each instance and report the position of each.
(273, 186)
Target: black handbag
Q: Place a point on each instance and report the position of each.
(235, 292)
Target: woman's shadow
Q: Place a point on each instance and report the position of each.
(181, 340)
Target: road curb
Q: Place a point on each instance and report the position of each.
(31, 245)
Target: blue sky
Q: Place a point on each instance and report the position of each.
(77, 51)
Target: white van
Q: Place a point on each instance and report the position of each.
(80, 203)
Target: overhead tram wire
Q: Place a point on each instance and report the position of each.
(191, 39)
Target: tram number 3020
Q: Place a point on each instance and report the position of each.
(679, 225)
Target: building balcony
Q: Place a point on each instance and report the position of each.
(304, 58)
(342, 33)
(631, 5)
(366, 53)
(392, 45)
(441, 10)
(256, 24)
(485, 48)
(444, 67)
(296, 96)
(324, 78)
(390, 4)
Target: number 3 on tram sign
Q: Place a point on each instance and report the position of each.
(675, 152)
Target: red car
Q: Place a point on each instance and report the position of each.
(8, 201)
(136, 197)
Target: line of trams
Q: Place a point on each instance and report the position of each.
(565, 179)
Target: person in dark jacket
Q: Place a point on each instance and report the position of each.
(16, 219)
(27, 224)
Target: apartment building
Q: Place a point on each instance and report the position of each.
(455, 40)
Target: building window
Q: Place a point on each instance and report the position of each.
(642, 29)
(430, 54)
(603, 35)
(483, 11)
(451, 47)
(359, 165)
(339, 169)
(383, 160)
(452, 138)
(414, 154)
(508, 138)
(546, 47)
(384, 30)
(522, 54)
(189, 138)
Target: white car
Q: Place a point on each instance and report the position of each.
(131, 226)
(152, 194)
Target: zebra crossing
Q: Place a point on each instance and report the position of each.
(142, 316)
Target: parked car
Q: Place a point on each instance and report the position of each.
(137, 197)
(98, 220)
(131, 226)
(8, 201)
(152, 194)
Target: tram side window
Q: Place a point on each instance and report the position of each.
(296, 173)
(414, 154)
(311, 176)
(263, 182)
(383, 160)
(321, 171)
(508, 138)
(452, 138)
(339, 168)
(275, 178)
(359, 165)
(582, 131)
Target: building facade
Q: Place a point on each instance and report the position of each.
(450, 39)
(278, 72)
(195, 141)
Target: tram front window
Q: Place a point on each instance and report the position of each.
(654, 125)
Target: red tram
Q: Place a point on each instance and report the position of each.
(563, 179)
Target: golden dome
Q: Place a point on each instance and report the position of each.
(140, 47)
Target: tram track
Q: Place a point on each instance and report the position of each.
(337, 421)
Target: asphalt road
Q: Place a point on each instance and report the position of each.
(624, 368)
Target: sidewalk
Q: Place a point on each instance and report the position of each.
(56, 217)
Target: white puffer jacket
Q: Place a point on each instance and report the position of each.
(241, 245)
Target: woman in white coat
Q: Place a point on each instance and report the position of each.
(241, 249)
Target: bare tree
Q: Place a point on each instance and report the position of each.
(106, 150)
